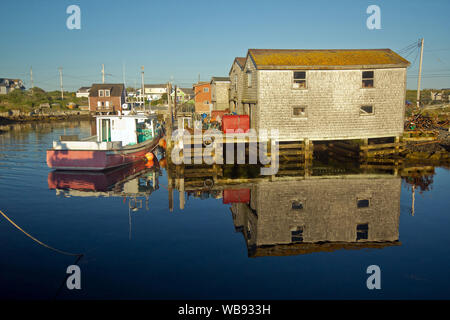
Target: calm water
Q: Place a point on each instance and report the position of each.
(266, 249)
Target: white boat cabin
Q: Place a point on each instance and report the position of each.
(128, 129)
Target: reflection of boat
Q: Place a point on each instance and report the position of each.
(136, 180)
(120, 140)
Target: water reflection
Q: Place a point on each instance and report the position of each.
(325, 210)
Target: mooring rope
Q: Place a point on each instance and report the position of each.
(36, 240)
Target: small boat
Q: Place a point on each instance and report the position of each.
(120, 140)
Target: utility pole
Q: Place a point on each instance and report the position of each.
(142, 86)
(103, 73)
(420, 73)
(198, 78)
(61, 83)
(31, 79)
(123, 75)
(175, 103)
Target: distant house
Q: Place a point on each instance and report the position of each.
(83, 92)
(236, 79)
(220, 87)
(186, 94)
(202, 92)
(106, 98)
(437, 95)
(154, 91)
(325, 94)
(8, 85)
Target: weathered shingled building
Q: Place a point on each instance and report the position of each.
(236, 85)
(322, 94)
(220, 87)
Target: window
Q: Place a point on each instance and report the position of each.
(364, 110)
(362, 231)
(299, 112)
(107, 93)
(299, 80)
(235, 82)
(297, 235)
(99, 104)
(205, 89)
(206, 102)
(101, 93)
(107, 104)
(362, 203)
(249, 79)
(297, 205)
(367, 79)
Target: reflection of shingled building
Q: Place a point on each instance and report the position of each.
(106, 98)
(304, 216)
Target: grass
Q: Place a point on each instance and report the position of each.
(29, 100)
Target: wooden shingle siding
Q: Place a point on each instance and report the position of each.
(332, 99)
(250, 93)
(236, 93)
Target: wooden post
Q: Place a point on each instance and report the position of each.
(175, 103)
(420, 73)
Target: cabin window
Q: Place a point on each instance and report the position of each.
(299, 112)
(366, 110)
(367, 79)
(297, 205)
(362, 203)
(299, 80)
(101, 93)
(297, 235)
(107, 93)
(362, 231)
(205, 89)
(249, 79)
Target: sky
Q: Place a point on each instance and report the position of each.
(179, 41)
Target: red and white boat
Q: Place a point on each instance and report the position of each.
(120, 140)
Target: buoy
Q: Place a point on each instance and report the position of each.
(149, 164)
(162, 143)
(149, 156)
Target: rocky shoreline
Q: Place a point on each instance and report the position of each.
(12, 117)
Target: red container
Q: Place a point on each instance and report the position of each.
(236, 196)
(235, 124)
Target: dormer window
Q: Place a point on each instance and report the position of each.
(101, 93)
(107, 93)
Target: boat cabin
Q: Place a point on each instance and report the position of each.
(128, 129)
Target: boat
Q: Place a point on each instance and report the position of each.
(121, 139)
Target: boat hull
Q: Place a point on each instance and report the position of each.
(97, 160)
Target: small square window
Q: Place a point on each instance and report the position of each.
(362, 231)
(367, 79)
(363, 203)
(299, 80)
(297, 235)
(299, 112)
(205, 89)
(101, 93)
(364, 110)
(297, 205)
(206, 102)
(107, 93)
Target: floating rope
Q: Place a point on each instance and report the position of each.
(36, 240)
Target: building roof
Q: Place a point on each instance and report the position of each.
(116, 89)
(187, 90)
(240, 61)
(326, 59)
(220, 79)
(201, 83)
(163, 85)
(84, 89)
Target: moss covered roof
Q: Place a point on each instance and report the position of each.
(325, 59)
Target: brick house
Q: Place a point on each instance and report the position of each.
(202, 91)
(106, 98)
(220, 87)
(236, 85)
(325, 94)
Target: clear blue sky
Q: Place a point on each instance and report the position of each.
(177, 40)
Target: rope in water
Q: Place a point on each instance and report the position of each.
(36, 240)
